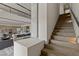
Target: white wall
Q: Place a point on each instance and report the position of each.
(52, 17)
(47, 18)
(61, 8)
(34, 20)
(42, 21)
(75, 9)
(48, 15)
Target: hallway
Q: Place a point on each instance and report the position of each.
(63, 39)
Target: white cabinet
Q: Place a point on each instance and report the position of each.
(28, 47)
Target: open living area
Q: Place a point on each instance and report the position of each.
(39, 29)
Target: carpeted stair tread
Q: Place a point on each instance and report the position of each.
(64, 30)
(65, 50)
(65, 44)
(52, 52)
(61, 38)
(64, 34)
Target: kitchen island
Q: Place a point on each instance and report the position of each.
(28, 47)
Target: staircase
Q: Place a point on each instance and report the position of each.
(63, 40)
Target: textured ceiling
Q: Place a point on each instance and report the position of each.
(15, 14)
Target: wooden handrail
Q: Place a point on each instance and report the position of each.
(75, 17)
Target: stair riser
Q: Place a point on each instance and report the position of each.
(64, 22)
(65, 34)
(66, 39)
(67, 31)
(64, 28)
(70, 30)
(64, 25)
(64, 31)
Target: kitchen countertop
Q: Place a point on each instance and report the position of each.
(29, 42)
